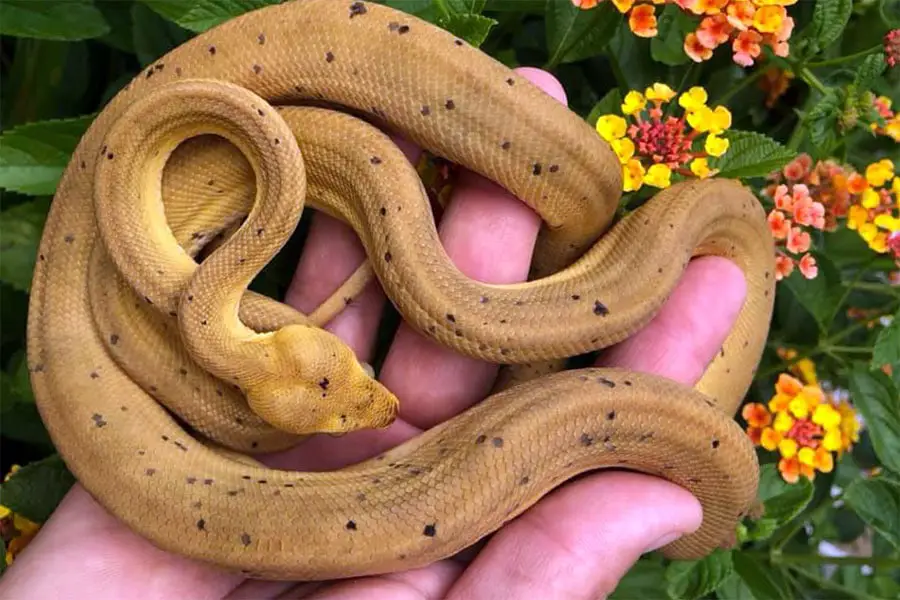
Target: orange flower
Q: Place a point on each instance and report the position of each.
(783, 199)
(789, 385)
(784, 266)
(857, 184)
(792, 468)
(746, 47)
(779, 225)
(642, 21)
(808, 266)
(714, 31)
(696, 50)
(585, 4)
(769, 19)
(798, 241)
(756, 415)
(740, 14)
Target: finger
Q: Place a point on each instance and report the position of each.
(581, 539)
(432, 581)
(489, 235)
(82, 547)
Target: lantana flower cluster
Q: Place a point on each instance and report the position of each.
(807, 428)
(747, 25)
(652, 146)
(794, 211)
(876, 214)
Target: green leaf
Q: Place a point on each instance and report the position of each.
(751, 155)
(611, 103)
(765, 582)
(667, 46)
(783, 500)
(693, 579)
(829, 19)
(205, 14)
(36, 489)
(734, 588)
(822, 119)
(574, 34)
(156, 35)
(877, 502)
(33, 156)
(887, 346)
(870, 70)
(819, 296)
(644, 580)
(464, 7)
(65, 20)
(472, 28)
(875, 396)
(19, 417)
(20, 234)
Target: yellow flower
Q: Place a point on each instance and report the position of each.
(787, 447)
(623, 5)
(700, 168)
(868, 231)
(768, 19)
(659, 92)
(770, 439)
(715, 145)
(783, 422)
(611, 127)
(714, 121)
(659, 176)
(693, 99)
(892, 128)
(879, 173)
(807, 370)
(798, 407)
(857, 217)
(886, 221)
(633, 174)
(870, 198)
(624, 149)
(807, 456)
(895, 187)
(826, 416)
(634, 103)
(833, 441)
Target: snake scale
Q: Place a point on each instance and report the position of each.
(158, 374)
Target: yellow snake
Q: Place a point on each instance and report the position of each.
(156, 377)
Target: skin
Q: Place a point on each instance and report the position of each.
(457, 482)
(557, 549)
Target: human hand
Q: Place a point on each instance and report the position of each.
(577, 542)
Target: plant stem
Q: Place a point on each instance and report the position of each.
(874, 286)
(844, 59)
(811, 80)
(849, 349)
(815, 559)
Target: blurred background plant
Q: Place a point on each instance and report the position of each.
(795, 98)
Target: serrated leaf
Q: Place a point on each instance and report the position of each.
(875, 397)
(33, 156)
(829, 19)
(37, 489)
(761, 529)
(692, 579)
(821, 120)
(472, 28)
(20, 234)
(819, 296)
(574, 34)
(870, 70)
(667, 46)
(887, 346)
(766, 582)
(877, 502)
(783, 500)
(734, 588)
(63, 20)
(644, 580)
(751, 155)
(609, 104)
(204, 14)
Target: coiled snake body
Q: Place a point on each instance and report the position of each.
(124, 326)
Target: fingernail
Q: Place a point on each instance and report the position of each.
(666, 539)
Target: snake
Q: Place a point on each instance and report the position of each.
(160, 375)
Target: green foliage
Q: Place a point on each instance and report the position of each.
(688, 580)
(63, 60)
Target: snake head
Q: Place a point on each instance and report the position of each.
(313, 383)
